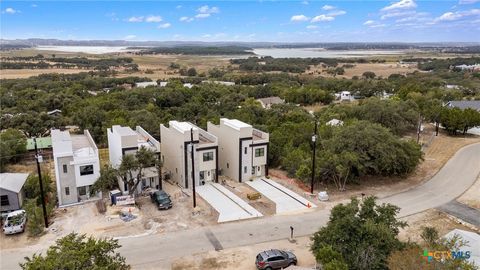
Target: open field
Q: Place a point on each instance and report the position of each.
(25, 73)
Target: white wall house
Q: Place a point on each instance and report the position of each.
(346, 96)
(145, 84)
(176, 154)
(242, 149)
(77, 165)
(125, 141)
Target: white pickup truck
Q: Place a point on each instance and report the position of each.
(15, 222)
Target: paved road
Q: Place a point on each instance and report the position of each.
(462, 211)
(157, 251)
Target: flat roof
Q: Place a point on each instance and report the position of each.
(182, 126)
(42, 143)
(124, 131)
(13, 181)
(236, 124)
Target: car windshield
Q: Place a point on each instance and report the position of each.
(164, 199)
(259, 258)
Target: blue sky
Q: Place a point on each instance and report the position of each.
(285, 21)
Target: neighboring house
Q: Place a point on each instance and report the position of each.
(42, 143)
(55, 112)
(220, 82)
(473, 244)
(243, 150)
(145, 84)
(77, 165)
(126, 86)
(335, 122)
(11, 191)
(163, 84)
(124, 141)
(269, 101)
(188, 85)
(176, 154)
(452, 86)
(346, 96)
(468, 67)
(464, 104)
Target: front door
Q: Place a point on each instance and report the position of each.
(259, 171)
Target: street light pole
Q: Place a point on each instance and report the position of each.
(42, 196)
(193, 169)
(314, 142)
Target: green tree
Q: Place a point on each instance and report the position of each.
(369, 75)
(75, 251)
(12, 145)
(364, 233)
(192, 72)
(330, 259)
(107, 180)
(132, 167)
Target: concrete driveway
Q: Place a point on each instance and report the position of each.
(286, 201)
(229, 206)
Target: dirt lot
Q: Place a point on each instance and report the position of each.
(433, 218)
(149, 220)
(380, 69)
(25, 73)
(244, 257)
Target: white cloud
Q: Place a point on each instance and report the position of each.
(453, 16)
(164, 25)
(322, 18)
(179, 7)
(207, 36)
(397, 14)
(186, 19)
(369, 22)
(328, 7)
(299, 18)
(34, 5)
(208, 10)
(402, 4)
(305, 2)
(202, 15)
(135, 19)
(11, 10)
(312, 26)
(336, 13)
(467, 2)
(153, 19)
(129, 37)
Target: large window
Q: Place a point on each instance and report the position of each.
(4, 200)
(67, 191)
(65, 168)
(259, 152)
(86, 170)
(207, 156)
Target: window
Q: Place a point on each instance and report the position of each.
(259, 152)
(82, 191)
(253, 170)
(228, 165)
(245, 169)
(207, 156)
(65, 168)
(4, 200)
(202, 175)
(86, 170)
(67, 191)
(245, 150)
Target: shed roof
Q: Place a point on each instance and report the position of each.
(271, 100)
(464, 104)
(13, 181)
(42, 143)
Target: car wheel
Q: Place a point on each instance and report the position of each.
(268, 268)
(292, 263)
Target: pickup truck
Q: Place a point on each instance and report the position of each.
(161, 199)
(15, 222)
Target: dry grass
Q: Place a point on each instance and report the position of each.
(25, 73)
(472, 196)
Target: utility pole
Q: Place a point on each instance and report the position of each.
(37, 158)
(193, 169)
(314, 141)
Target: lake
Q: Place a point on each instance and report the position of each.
(319, 52)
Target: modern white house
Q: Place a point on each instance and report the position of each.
(346, 96)
(177, 156)
(77, 165)
(243, 150)
(126, 141)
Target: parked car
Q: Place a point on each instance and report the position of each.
(161, 199)
(15, 222)
(275, 259)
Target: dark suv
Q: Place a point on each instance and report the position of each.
(275, 259)
(161, 199)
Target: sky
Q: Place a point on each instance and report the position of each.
(264, 20)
